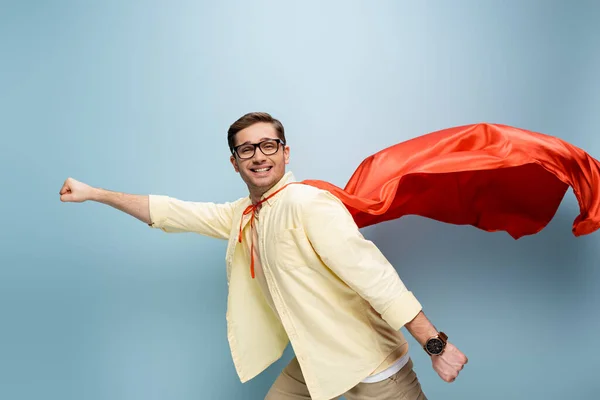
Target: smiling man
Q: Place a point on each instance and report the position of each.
(260, 170)
(299, 271)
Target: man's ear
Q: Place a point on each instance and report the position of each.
(234, 163)
(286, 154)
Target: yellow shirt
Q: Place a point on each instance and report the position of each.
(337, 299)
(264, 287)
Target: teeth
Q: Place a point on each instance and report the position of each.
(261, 169)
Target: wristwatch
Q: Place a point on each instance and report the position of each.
(435, 345)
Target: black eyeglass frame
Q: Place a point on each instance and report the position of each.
(257, 145)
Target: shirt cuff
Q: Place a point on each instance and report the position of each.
(158, 207)
(402, 310)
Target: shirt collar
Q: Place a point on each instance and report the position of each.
(287, 178)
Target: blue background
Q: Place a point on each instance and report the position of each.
(137, 96)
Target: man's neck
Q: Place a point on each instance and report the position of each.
(256, 194)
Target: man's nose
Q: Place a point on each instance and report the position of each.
(258, 156)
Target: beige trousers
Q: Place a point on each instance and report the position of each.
(403, 385)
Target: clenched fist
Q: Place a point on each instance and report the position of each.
(75, 192)
(450, 363)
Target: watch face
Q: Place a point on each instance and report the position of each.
(435, 346)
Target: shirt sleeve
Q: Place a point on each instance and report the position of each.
(358, 262)
(174, 216)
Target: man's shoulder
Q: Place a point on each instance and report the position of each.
(300, 190)
(237, 204)
(302, 194)
(241, 201)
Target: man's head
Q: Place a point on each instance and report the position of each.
(258, 151)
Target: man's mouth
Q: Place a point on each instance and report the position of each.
(260, 170)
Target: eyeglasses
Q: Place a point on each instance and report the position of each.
(267, 147)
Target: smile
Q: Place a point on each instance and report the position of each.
(265, 169)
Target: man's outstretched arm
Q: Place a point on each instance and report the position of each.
(162, 212)
(135, 205)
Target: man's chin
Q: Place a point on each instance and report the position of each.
(264, 183)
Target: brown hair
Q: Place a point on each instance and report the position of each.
(249, 120)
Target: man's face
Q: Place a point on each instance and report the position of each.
(260, 172)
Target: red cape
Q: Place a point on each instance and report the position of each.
(494, 177)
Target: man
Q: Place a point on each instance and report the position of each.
(299, 271)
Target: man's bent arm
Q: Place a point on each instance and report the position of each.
(358, 262)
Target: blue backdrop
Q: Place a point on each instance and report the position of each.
(137, 96)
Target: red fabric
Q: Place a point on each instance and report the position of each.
(494, 177)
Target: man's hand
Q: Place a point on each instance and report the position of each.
(452, 360)
(450, 363)
(75, 192)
